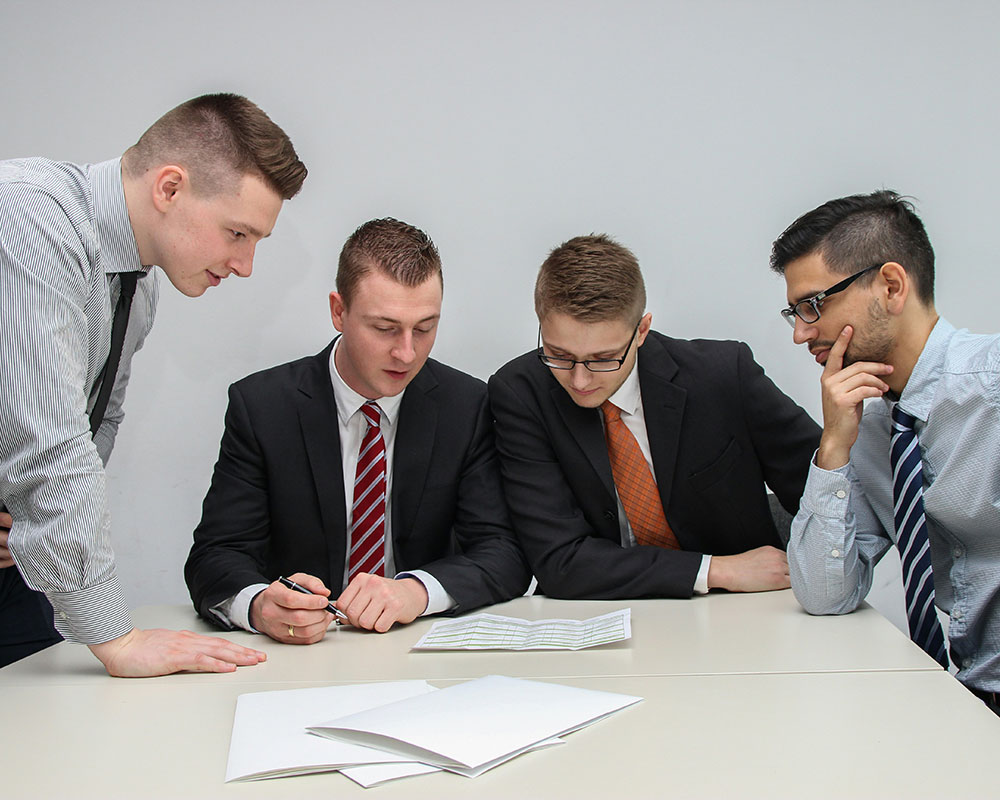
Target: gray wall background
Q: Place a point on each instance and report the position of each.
(692, 131)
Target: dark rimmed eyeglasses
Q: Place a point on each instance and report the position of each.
(593, 364)
(808, 310)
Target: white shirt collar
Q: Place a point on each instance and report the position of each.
(628, 396)
(349, 402)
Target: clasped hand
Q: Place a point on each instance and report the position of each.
(369, 602)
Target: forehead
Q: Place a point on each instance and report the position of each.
(580, 338)
(251, 204)
(379, 296)
(808, 276)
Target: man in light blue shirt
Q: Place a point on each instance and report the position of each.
(859, 273)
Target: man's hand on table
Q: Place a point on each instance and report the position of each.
(146, 653)
(292, 617)
(375, 603)
(6, 560)
(762, 569)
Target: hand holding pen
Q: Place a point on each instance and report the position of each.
(340, 616)
(294, 610)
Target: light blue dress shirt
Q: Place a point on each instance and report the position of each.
(845, 521)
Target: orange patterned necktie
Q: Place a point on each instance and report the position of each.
(635, 483)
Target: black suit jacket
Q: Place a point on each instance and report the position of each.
(718, 428)
(276, 504)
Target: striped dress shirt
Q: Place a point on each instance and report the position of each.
(64, 234)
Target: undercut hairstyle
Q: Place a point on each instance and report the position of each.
(219, 138)
(592, 279)
(852, 233)
(404, 253)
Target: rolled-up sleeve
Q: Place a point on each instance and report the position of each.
(835, 543)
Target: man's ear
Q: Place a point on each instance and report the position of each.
(644, 325)
(169, 182)
(896, 286)
(337, 309)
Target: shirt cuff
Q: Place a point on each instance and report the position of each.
(94, 615)
(701, 581)
(438, 599)
(827, 492)
(235, 610)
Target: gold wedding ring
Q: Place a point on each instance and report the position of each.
(291, 631)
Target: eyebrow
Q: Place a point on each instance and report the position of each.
(380, 318)
(807, 296)
(242, 226)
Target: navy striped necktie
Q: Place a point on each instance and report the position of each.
(911, 537)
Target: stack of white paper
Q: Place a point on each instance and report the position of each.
(269, 731)
(386, 731)
(474, 726)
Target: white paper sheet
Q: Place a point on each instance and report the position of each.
(476, 725)
(269, 729)
(492, 632)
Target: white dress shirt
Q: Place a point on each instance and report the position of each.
(628, 398)
(352, 425)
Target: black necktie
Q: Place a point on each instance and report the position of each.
(127, 282)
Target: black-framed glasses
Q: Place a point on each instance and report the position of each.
(808, 310)
(593, 364)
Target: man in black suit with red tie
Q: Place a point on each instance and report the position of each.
(366, 473)
(635, 464)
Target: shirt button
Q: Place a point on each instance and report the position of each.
(62, 614)
(841, 494)
(835, 553)
(958, 552)
(957, 613)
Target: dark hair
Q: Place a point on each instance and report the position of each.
(404, 253)
(219, 138)
(855, 232)
(591, 278)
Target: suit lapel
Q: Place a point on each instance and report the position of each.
(584, 425)
(663, 406)
(317, 410)
(415, 435)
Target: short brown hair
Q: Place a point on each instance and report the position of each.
(219, 138)
(591, 278)
(404, 253)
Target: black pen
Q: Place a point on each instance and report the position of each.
(340, 615)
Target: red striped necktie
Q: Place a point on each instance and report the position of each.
(368, 511)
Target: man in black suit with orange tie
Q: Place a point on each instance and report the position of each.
(365, 473)
(635, 464)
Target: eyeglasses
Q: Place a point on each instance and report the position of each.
(808, 310)
(593, 364)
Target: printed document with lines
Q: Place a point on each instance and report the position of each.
(492, 632)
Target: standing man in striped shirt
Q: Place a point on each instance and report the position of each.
(193, 196)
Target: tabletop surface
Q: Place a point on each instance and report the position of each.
(716, 634)
(744, 696)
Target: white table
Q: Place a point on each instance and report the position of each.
(745, 696)
(717, 634)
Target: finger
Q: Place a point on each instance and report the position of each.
(347, 597)
(310, 582)
(200, 662)
(306, 618)
(307, 634)
(287, 598)
(6, 520)
(835, 360)
(226, 650)
(360, 611)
